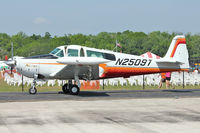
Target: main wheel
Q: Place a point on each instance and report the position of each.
(65, 88)
(74, 90)
(32, 90)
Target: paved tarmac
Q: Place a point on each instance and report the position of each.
(99, 95)
(153, 111)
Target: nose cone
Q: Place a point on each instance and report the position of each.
(18, 66)
(11, 63)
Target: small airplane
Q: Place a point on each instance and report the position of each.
(73, 62)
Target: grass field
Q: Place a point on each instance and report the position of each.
(4, 87)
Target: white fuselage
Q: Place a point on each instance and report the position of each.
(125, 65)
(68, 62)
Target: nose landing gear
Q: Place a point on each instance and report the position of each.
(33, 89)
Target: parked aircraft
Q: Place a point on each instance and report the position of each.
(77, 63)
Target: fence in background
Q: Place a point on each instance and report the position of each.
(178, 78)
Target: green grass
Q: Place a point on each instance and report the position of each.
(4, 87)
(129, 87)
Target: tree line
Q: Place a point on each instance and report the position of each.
(135, 43)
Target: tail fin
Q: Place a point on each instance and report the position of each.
(177, 53)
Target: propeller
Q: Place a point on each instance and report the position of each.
(12, 63)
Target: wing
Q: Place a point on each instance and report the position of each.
(82, 60)
(84, 67)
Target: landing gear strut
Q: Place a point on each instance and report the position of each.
(71, 88)
(33, 89)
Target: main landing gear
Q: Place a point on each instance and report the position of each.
(70, 88)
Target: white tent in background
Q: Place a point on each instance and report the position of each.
(150, 55)
(151, 79)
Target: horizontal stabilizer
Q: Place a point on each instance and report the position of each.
(82, 60)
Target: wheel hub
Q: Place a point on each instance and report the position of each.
(74, 89)
(32, 90)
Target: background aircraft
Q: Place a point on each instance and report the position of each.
(77, 63)
(3, 65)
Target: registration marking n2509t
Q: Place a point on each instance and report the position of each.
(133, 62)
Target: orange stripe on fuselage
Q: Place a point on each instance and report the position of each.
(178, 41)
(111, 72)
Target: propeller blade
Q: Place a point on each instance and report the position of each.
(10, 63)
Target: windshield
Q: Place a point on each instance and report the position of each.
(54, 51)
(60, 53)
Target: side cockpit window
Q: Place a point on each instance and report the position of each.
(94, 54)
(73, 52)
(107, 56)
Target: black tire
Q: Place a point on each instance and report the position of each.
(74, 90)
(65, 89)
(32, 90)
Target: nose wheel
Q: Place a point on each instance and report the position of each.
(32, 90)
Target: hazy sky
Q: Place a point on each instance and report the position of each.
(61, 17)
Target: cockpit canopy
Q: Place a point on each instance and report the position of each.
(79, 51)
(57, 52)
